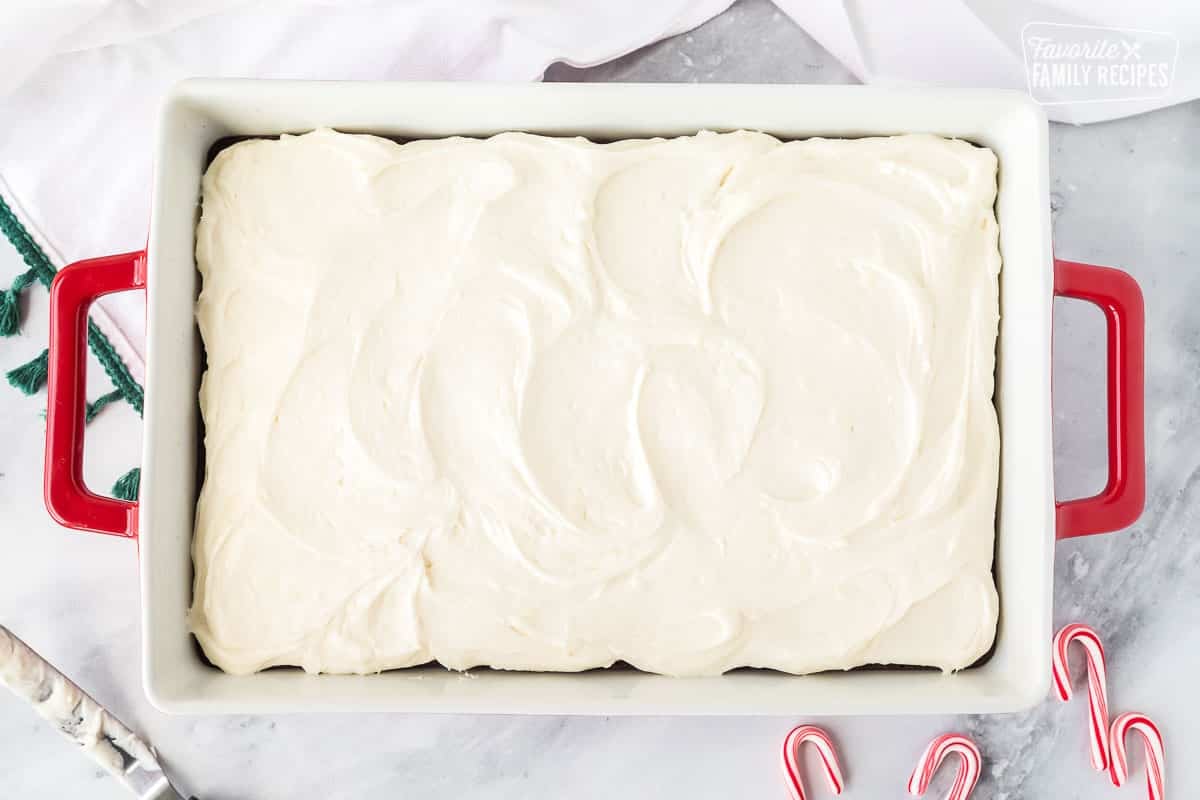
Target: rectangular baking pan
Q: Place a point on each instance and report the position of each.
(200, 113)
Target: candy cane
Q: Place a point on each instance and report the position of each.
(1156, 753)
(791, 758)
(935, 753)
(1097, 684)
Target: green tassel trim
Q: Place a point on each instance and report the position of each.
(10, 315)
(43, 271)
(30, 252)
(32, 376)
(95, 408)
(126, 487)
(10, 310)
(115, 368)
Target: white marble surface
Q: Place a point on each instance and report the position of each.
(1126, 193)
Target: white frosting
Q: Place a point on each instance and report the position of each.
(545, 404)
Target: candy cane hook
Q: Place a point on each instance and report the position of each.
(1156, 753)
(1097, 685)
(935, 753)
(829, 759)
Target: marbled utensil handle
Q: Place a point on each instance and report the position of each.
(81, 719)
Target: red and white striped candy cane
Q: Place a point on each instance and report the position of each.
(1156, 753)
(1097, 684)
(829, 759)
(931, 759)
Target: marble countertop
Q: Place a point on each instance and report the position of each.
(1125, 193)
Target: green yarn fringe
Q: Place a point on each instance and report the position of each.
(30, 252)
(31, 376)
(115, 368)
(10, 314)
(127, 486)
(10, 311)
(98, 405)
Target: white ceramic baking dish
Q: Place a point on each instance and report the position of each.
(199, 113)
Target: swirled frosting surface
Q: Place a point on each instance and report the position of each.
(545, 404)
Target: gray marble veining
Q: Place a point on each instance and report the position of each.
(1125, 193)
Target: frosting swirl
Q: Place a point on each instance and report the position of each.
(540, 403)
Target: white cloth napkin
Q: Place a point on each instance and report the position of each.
(80, 79)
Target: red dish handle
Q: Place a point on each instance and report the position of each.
(75, 287)
(1123, 498)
